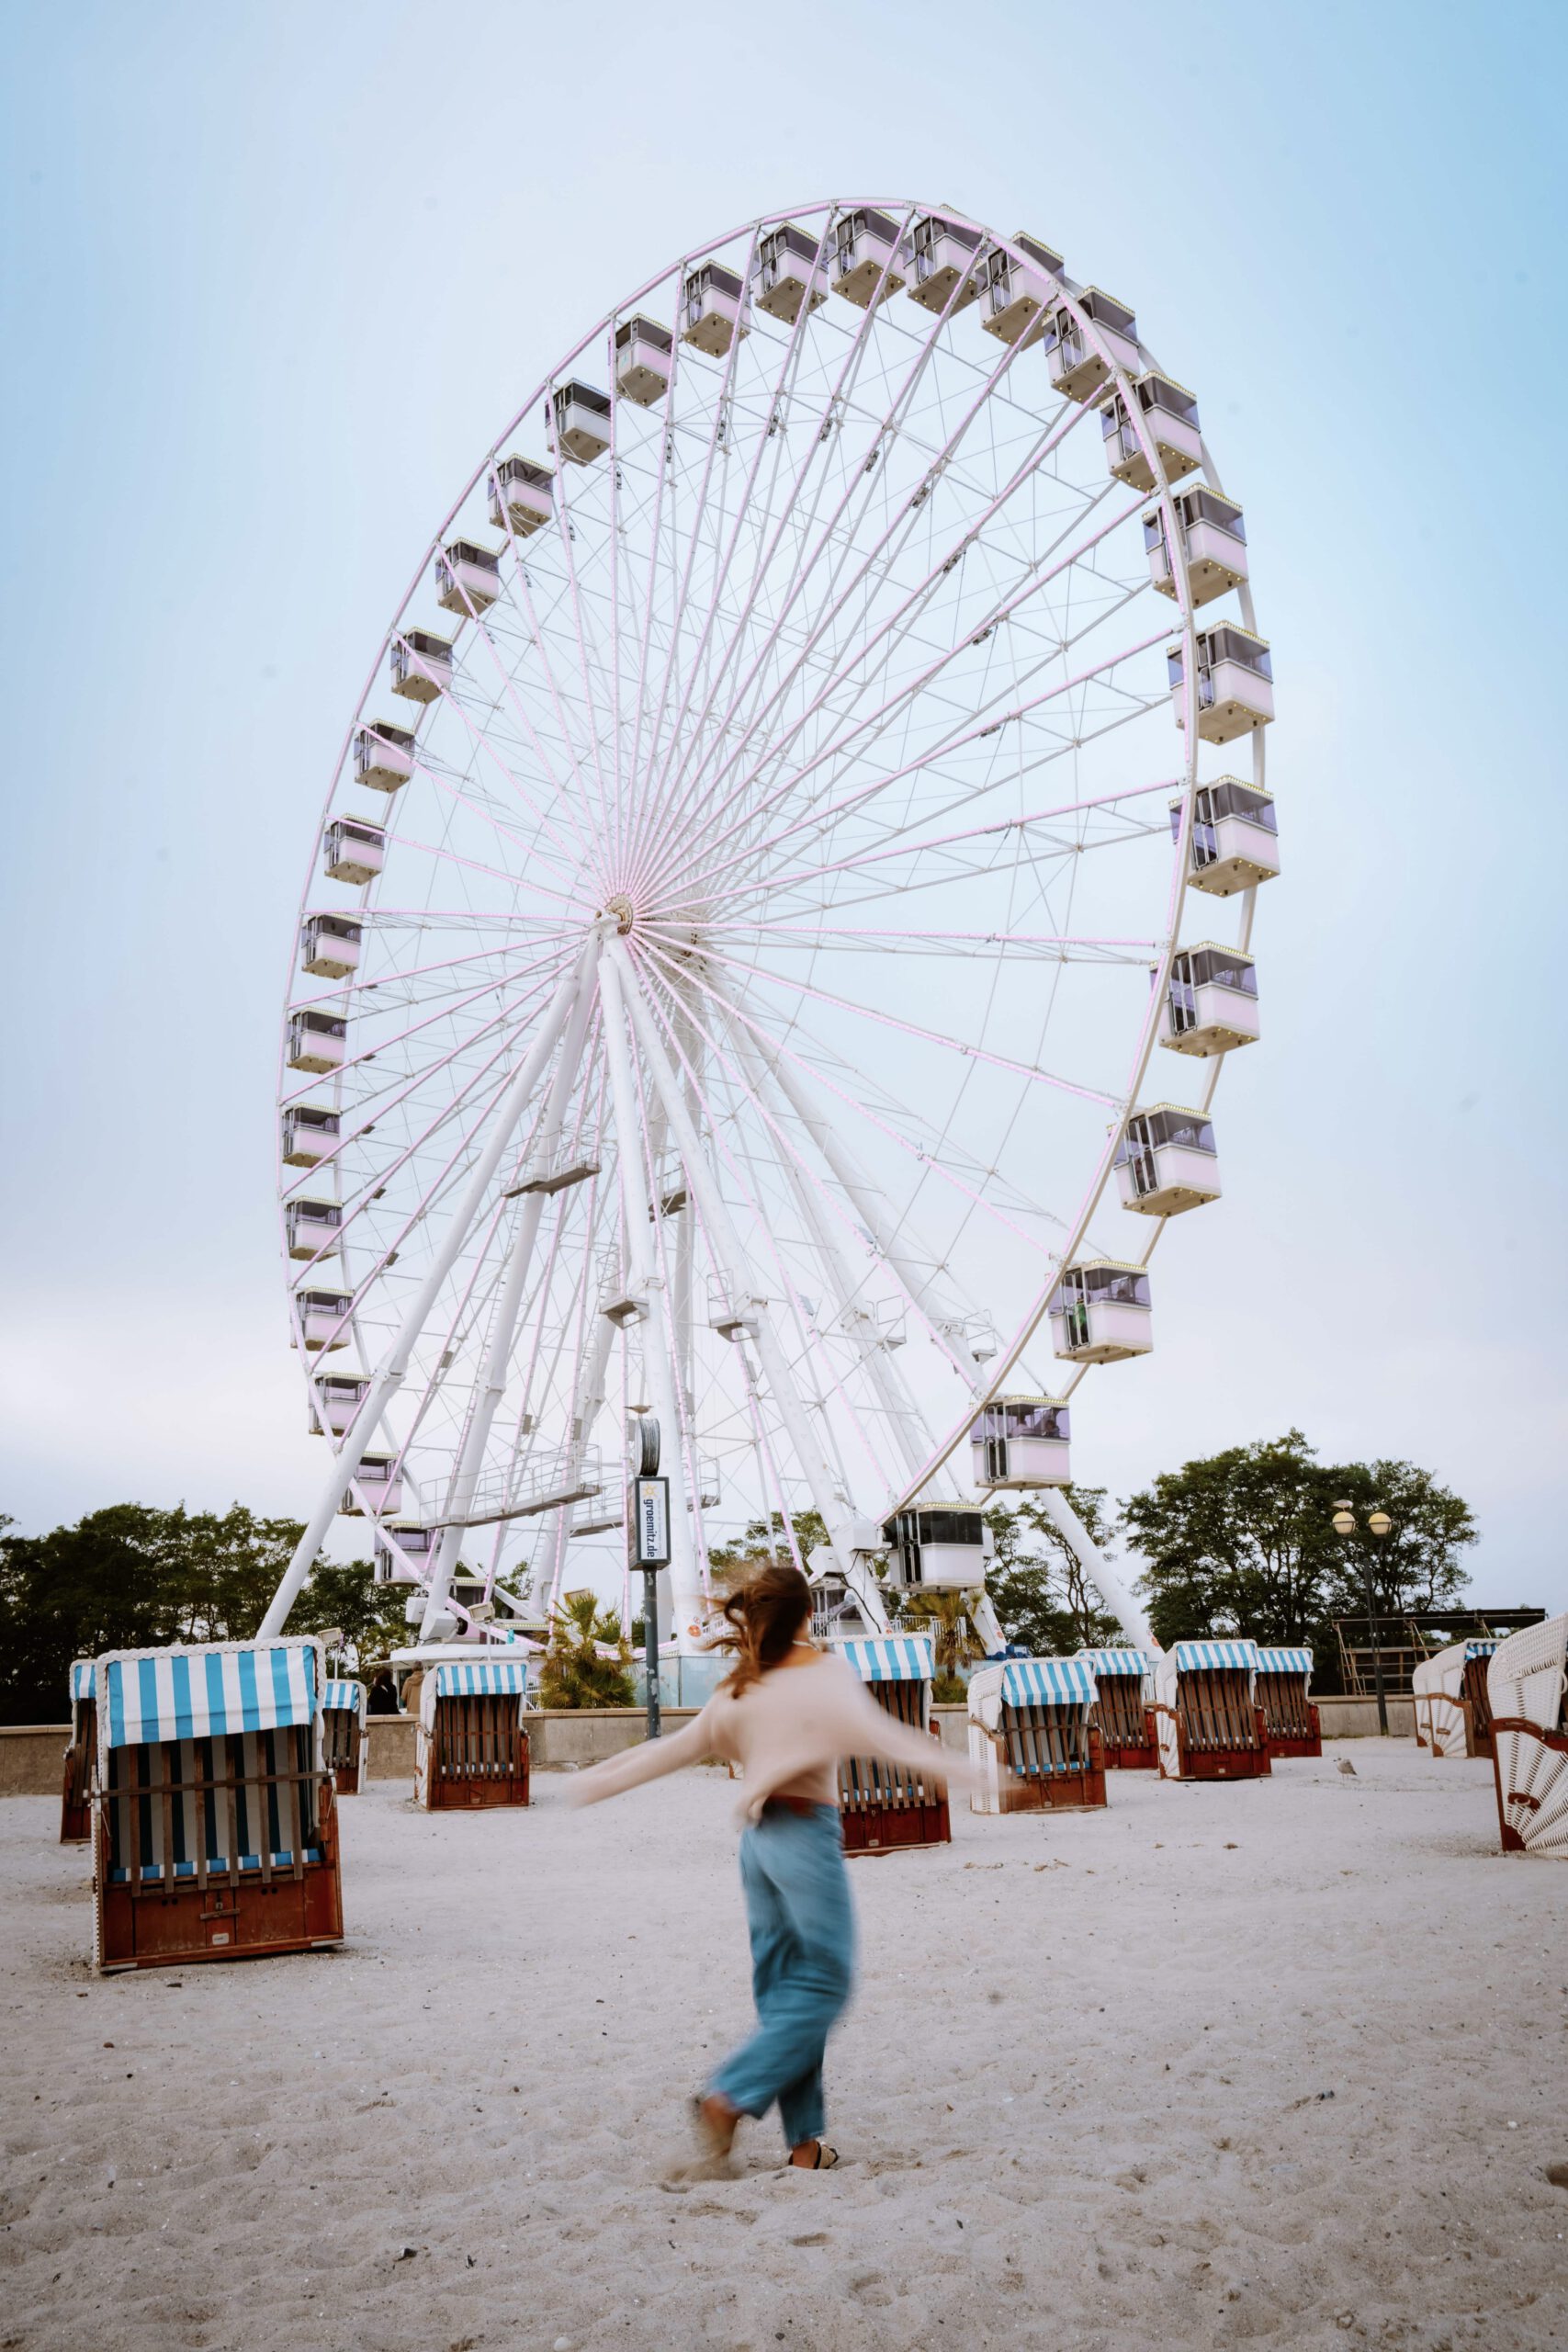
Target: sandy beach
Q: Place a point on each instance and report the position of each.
(1276, 2064)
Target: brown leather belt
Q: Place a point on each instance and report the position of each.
(788, 1804)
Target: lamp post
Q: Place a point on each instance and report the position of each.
(649, 1531)
(1379, 1526)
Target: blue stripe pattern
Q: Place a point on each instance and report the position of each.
(496, 1679)
(80, 1679)
(204, 1691)
(1047, 1682)
(1101, 1662)
(1284, 1661)
(1202, 1658)
(891, 1657)
(348, 1696)
(1477, 1649)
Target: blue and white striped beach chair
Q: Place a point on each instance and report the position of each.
(1031, 1718)
(881, 1807)
(76, 1791)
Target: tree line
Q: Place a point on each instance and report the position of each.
(1239, 1543)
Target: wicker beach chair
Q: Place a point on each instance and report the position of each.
(76, 1788)
(885, 1807)
(1209, 1722)
(1527, 1691)
(1123, 1708)
(1290, 1720)
(1438, 1689)
(1032, 1717)
(342, 1734)
(472, 1748)
(214, 1826)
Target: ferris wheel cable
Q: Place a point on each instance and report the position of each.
(486, 1403)
(388, 1376)
(589, 1385)
(561, 505)
(922, 592)
(351, 990)
(867, 940)
(944, 751)
(692, 777)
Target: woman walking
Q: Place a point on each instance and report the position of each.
(786, 1713)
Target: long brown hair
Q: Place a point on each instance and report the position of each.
(765, 1615)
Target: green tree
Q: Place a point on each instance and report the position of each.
(371, 1616)
(574, 1673)
(1043, 1599)
(1242, 1542)
(765, 1540)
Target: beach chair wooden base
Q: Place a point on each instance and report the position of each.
(1061, 1792)
(887, 1829)
(75, 1805)
(1219, 1736)
(1295, 1742)
(235, 1915)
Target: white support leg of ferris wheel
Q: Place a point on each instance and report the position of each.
(389, 1377)
(470, 1459)
(587, 1404)
(948, 1316)
(893, 1390)
(837, 1512)
(647, 1283)
(1116, 1595)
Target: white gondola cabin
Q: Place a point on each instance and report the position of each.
(1212, 543)
(1527, 1683)
(1072, 360)
(1125, 1708)
(215, 1830)
(1165, 1161)
(940, 1547)
(582, 416)
(317, 1041)
(420, 664)
(309, 1134)
(521, 494)
(468, 578)
(336, 1398)
(789, 272)
(713, 309)
(1018, 289)
(343, 1735)
(1169, 416)
(867, 265)
(1291, 1724)
(402, 1552)
(377, 1488)
(1211, 1005)
(942, 257)
(324, 1317)
(1032, 1734)
(329, 945)
(353, 851)
(1207, 1718)
(1101, 1313)
(1021, 1442)
(80, 1754)
(885, 1807)
(1235, 842)
(1235, 683)
(311, 1226)
(383, 755)
(472, 1748)
(643, 351)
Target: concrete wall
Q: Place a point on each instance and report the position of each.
(32, 1755)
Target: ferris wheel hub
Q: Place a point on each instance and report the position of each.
(621, 906)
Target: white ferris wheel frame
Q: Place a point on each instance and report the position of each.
(600, 987)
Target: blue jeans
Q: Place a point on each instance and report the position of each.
(803, 1944)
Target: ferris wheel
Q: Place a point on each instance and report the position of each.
(768, 899)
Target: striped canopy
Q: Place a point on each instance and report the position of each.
(1047, 1682)
(1477, 1649)
(80, 1679)
(495, 1679)
(205, 1692)
(1200, 1657)
(1284, 1661)
(894, 1657)
(1114, 1661)
(349, 1696)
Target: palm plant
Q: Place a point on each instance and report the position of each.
(954, 1644)
(576, 1671)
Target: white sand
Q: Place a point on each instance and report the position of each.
(1079, 2106)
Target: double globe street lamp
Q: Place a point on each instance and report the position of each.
(1379, 1526)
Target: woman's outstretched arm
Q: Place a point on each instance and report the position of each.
(646, 1762)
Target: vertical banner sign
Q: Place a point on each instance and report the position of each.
(650, 1522)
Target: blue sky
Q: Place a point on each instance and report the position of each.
(274, 278)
